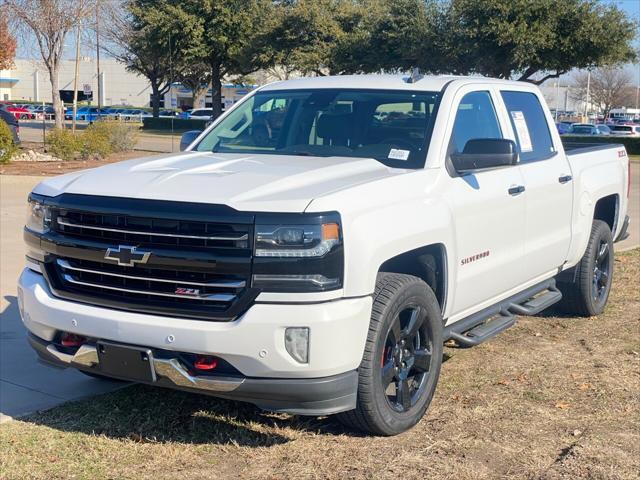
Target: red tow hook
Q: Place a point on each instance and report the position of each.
(72, 340)
(205, 362)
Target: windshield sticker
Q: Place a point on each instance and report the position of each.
(396, 154)
(522, 131)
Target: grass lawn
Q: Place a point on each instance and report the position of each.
(552, 397)
(634, 158)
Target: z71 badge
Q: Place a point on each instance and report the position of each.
(189, 292)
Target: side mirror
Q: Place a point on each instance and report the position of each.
(482, 153)
(187, 138)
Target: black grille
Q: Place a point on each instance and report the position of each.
(150, 232)
(199, 262)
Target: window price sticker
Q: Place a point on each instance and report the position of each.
(522, 131)
(396, 154)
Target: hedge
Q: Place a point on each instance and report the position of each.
(632, 144)
(179, 124)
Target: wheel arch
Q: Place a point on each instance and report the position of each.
(606, 209)
(428, 263)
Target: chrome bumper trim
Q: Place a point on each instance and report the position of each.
(212, 297)
(224, 284)
(171, 369)
(67, 223)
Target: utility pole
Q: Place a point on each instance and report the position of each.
(75, 81)
(586, 102)
(98, 56)
(557, 99)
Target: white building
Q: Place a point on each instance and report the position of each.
(29, 81)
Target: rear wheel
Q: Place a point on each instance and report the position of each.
(587, 294)
(401, 363)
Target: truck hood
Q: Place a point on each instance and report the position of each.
(275, 183)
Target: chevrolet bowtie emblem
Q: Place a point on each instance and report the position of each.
(127, 256)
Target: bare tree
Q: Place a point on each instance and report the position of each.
(608, 88)
(49, 22)
(7, 42)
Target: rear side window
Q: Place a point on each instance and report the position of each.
(530, 126)
(475, 118)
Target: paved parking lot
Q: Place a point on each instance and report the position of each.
(26, 385)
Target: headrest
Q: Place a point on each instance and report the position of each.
(335, 126)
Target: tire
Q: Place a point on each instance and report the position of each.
(405, 332)
(587, 294)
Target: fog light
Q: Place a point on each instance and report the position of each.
(296, 341)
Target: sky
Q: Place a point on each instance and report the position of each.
(631, 7)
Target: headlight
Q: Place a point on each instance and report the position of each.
(38, 216)
(298, 253)
(296, 240)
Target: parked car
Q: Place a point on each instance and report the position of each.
(584, 129)
(169, 114)
(625, 130)
(19, 113)
(318, 270)
(12, 122)
(563, 128)
(45, 111)
(200, 114)
(603, 129)
(134, 114)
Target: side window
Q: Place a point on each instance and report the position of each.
(530, 126)
(475, 118)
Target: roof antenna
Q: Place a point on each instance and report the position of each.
(415, 75)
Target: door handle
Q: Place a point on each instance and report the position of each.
(565, 178)
(516, 190)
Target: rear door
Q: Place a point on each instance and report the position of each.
(548, 184)
(489, 221)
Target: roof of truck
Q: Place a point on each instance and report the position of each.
(429, 83)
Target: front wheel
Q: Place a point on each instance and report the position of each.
(587, 294)
(401, 362)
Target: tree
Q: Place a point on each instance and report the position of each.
(153, 38)
(607, 88)
(233, 40)
(197, 78)
(49, 22)
(7, 43)
(536, 40)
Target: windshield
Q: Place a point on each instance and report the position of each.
(392, 127)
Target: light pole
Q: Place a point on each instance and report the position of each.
(75, 80)
(557, 99)
(98, 57)
(586, 103)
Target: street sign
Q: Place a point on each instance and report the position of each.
(86, 88)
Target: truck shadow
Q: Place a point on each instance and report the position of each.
(148, 414)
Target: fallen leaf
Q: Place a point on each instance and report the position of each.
(562, 405)
(585, 386)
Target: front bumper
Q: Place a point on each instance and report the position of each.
(307, 396)
(253, 344)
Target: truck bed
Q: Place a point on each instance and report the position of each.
(575, 148)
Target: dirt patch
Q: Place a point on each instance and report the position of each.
(552, 397)
(60, 167)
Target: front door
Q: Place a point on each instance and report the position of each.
(488, 214)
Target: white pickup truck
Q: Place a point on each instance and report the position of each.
(312, 250)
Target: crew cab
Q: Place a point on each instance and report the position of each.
(312, 250)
